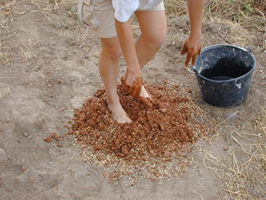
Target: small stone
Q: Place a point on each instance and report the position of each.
(107, 164)
(4, 22)
(100, 158)
(176, 85)
(153, 179)
(167, 154)
(163, 110)
(54, 136)
(172, 146)
(47, 139)
(225, 149)
(145, 158)
(105, 174)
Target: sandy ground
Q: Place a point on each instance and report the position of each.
(49, 67)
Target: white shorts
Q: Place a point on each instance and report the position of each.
(99, 16)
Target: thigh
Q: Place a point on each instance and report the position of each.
(152, 23)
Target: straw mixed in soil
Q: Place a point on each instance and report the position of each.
(158, 134)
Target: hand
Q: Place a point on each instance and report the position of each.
(132, 83)
(192, 48)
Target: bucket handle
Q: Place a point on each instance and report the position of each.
(249, 49)
(192, 71)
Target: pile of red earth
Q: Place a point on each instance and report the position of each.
(155, 144)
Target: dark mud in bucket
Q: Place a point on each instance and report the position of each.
(224, 74)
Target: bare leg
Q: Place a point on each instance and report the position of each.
(109, 70)
(153, 27)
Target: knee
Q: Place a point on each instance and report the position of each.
(155, 41)
(114, 53)
(111, 51)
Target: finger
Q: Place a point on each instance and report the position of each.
(194, 59)
(184, 49)
(129, 90)
(125, 88)
(122, 80)
(138, 86)
(139, 90)
(134, 92)
(188, 59)
(199, 51)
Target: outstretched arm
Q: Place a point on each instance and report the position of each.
(133, 81)
(192, 45)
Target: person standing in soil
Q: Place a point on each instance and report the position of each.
(110, 20)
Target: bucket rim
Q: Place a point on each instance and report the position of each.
(233, 79)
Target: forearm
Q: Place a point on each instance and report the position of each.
(127, 43)
(195, 9)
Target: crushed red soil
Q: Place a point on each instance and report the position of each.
(163, 132)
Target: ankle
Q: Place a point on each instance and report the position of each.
(114, 100)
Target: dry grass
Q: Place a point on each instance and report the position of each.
(246, 22)
(175, 7)
(230, 9)
(4, 57)
(243, 172)
(65, 20)
(5, 12)
(5, 92)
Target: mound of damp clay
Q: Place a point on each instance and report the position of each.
(156, 144)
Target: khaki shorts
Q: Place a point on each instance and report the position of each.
(99, 16)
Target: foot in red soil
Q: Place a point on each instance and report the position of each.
(119, 113)
(146, 97)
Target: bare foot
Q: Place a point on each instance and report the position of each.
(146, 97)
(119, 113)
